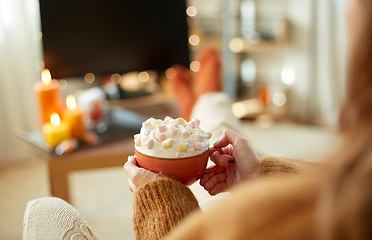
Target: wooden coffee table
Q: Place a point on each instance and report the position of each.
(111, 154)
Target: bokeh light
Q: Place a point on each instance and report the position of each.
(62, 84)
(236, 45)
(279, 99)
(89, 78)
(115, 78)
(143, 76)
(191, 11)
(194, 40)
(248, 71)
(170, 73)
(265, 97)
(195, 66)
(288, 76)
(38, 35)
(39, 65)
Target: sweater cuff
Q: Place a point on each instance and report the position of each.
(159, 205)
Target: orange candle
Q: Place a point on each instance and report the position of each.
(55, 131)
(48, 96)
(74, 116)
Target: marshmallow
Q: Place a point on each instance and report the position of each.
(167, 118)
(171, 138)
(199, 131)
(174, 123)
(181, 121)
(196, 121)
(146, 132)
(197, 146)
(151, 119)
(160, 137)
(191, 124)
(190, 130)
(209, 135)
(160, 128)
(167, 143)
(137, 141)
(157, 122)
(146, 125)
(185, 133)
(198, 137)
(182, 147)
(149, 143)
(173, 131)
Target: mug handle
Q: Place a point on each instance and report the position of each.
(216, 169)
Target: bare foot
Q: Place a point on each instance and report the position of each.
(181, 85)
(208, 78)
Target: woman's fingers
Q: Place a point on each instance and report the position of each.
(229, 137)
(131, 186)
(214, 180)
(221, 159)
(219, 188)
(130, 166)
(137, 175)
(204, 179)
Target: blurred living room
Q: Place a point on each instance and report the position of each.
(283, 67)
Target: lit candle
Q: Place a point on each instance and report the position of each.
(48, 96)
(74, 116)
(55, 131)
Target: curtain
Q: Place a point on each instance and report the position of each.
(328, 48)
(20, 55)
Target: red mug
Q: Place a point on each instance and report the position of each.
(186, 170)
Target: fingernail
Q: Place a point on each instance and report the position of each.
(231, 160)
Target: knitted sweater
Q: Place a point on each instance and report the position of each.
(279, 205)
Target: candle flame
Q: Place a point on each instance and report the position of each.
(54, 119)
(46, 77)
(71, 102)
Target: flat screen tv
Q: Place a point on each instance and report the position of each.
(113, 36)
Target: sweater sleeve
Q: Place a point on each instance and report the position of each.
(159, 206)
(278, 166)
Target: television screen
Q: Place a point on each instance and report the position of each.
(113, 36)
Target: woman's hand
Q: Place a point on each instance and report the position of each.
(137, 176)
(240, 163)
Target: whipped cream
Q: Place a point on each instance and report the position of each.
(171, 138)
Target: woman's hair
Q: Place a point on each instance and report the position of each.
(345, 203)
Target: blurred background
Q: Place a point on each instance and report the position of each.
(283, 67)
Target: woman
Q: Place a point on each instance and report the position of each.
(272, 199)
(330, 201)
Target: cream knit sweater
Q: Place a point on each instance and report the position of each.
(279, 205)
